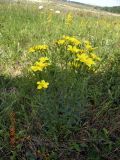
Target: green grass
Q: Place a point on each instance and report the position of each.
(77, 117)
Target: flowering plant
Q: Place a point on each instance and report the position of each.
(67, 53)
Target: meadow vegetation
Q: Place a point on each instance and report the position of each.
(59, 84)
(115, 9)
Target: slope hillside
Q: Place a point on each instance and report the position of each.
(74, 6)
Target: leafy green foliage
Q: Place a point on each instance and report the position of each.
(112, 9)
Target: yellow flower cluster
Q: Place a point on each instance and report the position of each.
(68, 40)
(38, 48)
(72, 40)
(69, 19)
(41, 64)
(73, 49)
(78, 53)
(60, 42)
(42, 84)
(85, 59)
(49, 18)
(95, 57)
(83, 51)
(88, 46)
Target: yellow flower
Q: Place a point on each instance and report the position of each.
(36, 68)
(72, 40)
(89, 47)
(66, 37)
(82, 57)
(41, 64)
(31, 50)
(42, 84)
(41, 47)
(38, 48)
(89, 62)
(60, 42)
(49, 18)
(43, 59)
(69, 19)
(85, 59)
(95, 57)
(73, 49)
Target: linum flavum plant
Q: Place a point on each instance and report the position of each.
(40, 65)
(71, 54)
(74, 113)
(69, 19)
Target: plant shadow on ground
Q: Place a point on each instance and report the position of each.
(52, 125)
